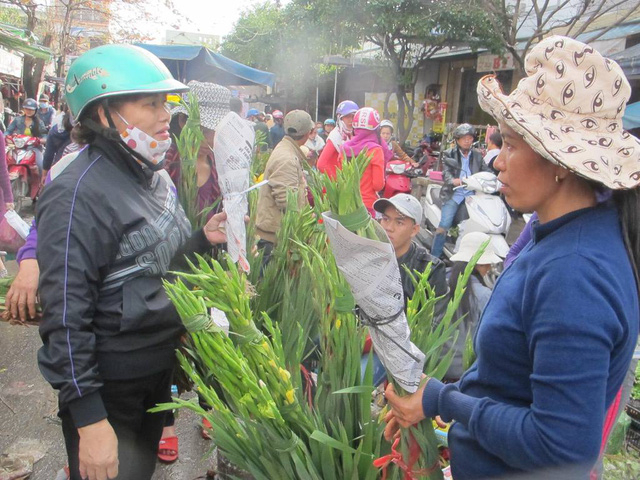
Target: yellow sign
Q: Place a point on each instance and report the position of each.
(441, 119)
(376, 100)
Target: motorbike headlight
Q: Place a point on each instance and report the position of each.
(19, 142)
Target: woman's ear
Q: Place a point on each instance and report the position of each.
(561, 173)
(103, 116)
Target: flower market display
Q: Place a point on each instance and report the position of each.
(289, 388)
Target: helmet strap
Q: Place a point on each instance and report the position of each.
(113, 134)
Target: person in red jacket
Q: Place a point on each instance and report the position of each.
(365, 137)
(328, 160)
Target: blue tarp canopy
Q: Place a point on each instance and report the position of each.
(193, 62)
(631, 117)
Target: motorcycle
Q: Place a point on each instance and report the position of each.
(485, 212)
(399, 175)
(23, 170)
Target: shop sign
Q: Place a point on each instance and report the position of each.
(492, 63)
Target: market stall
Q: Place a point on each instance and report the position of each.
(187, 62)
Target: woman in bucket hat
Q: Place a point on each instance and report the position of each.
(557, 336)
(110, 228)
(214, 104)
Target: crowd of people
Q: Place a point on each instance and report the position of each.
(553, 339)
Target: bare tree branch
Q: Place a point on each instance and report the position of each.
(593, 17)
(572, 22)
(615, 24)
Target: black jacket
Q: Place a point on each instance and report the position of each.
(452, 166)
(416, 259)
(108, 233)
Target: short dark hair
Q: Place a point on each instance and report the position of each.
(235, 105)
(496, 139)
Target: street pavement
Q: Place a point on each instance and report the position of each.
(29, 424)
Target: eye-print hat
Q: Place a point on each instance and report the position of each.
(569, 109)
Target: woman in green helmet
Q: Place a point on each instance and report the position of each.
(110, 228)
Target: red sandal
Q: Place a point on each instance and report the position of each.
(168, 449)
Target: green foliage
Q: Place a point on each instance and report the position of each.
(13, 16)
(254, 40)
(408, 33)
(295, 318)
(188, 146)
(635, 393)
(469, 354)
(621, 467)
(615, 444)
(288, 41)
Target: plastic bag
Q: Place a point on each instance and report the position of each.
(10, 240)
(17, 223)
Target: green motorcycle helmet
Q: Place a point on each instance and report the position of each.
(113, 70)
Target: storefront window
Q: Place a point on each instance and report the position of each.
(469, 110)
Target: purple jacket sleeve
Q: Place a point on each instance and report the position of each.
(28, 250)
(5, 183)
(521, 242)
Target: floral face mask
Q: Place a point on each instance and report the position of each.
(144, 144)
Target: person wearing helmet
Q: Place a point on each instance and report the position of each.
(329, 159)
(459, 162)
(110, 228)
(29, 123)
(365, 137)
(328, 125)
(253, 115)
(386, 135)
(276, 133)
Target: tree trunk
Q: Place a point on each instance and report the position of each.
(27, 76)
(402, 129)
(30, 80)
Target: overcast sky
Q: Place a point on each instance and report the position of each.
(219, 17)
(212, 16)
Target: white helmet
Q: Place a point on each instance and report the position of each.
(387, 123)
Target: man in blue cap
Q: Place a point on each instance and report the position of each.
(253, 115)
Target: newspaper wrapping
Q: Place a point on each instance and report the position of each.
(232, 149)
(371, 270)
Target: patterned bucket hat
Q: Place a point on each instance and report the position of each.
(569, 109)
(213, 101)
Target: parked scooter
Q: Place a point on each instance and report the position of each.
(485, 213)
(7, 117)
(23, 170)
(398, 178)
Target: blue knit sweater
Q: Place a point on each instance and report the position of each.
(553, 347)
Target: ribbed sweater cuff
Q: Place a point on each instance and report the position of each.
(447, 401)
(430, 398)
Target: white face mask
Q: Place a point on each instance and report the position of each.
(145, 145)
